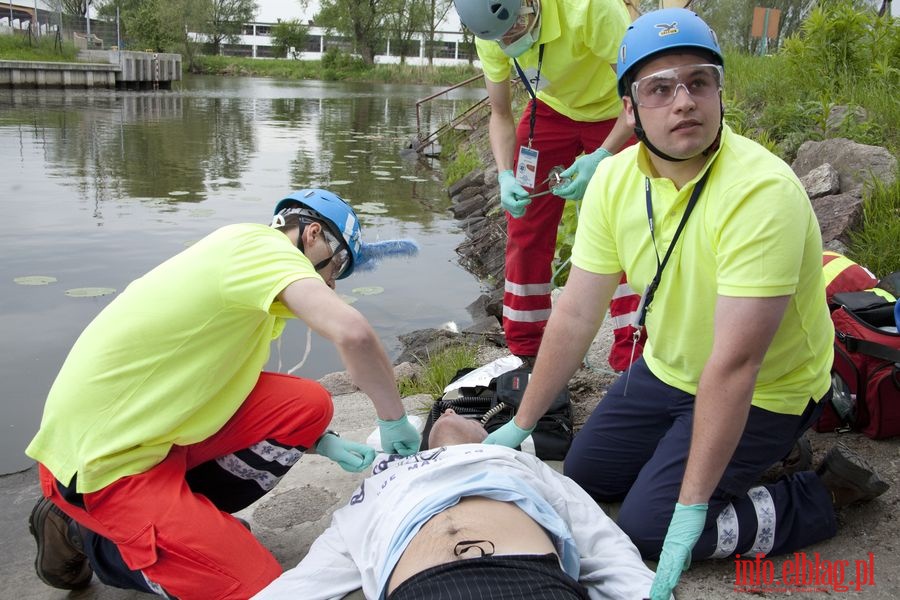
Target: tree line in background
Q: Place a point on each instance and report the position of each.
(169, 25)
(189, 26)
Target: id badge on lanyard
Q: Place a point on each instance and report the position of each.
(526, 166)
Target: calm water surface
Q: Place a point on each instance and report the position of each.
(99, 187)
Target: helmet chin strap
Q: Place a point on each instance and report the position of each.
(640, 134)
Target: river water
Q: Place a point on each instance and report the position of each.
(98, 187)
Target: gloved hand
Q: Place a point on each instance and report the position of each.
(513, 196)
(351, 456)
(399, 437)
(580, 174)
(684, 531)
(510, 435)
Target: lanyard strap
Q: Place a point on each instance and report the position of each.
(531, 91)
(651, 289)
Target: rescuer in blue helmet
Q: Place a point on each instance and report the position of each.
(722, 238)
(161, 422)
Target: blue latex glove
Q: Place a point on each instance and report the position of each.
(684, 531)
(399, 437)
(513, 196)
(351, 456)
(510, 435)
(580, 174)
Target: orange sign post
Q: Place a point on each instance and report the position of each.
(765, 25)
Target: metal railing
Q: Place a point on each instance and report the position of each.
(423, 142)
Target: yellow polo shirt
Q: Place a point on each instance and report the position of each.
(171, 359)
(581, 40)
(753, 233)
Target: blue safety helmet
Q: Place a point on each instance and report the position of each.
(662, 31)
(333, 211)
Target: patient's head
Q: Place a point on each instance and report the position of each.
(451, 429)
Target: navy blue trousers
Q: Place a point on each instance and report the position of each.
(634, 449)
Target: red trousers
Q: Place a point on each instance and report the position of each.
(531, 240)
(173, 537)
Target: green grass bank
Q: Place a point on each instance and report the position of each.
(334, 66)
(42, 49)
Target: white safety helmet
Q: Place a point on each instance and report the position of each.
(488, 19)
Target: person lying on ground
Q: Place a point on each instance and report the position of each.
(471, 520)
(161, 423)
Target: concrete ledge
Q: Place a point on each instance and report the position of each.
(31, 74)
(111, 69)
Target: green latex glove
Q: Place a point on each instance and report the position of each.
(513, 196)
(580, 174)
(399, 437)
(510, 435)
(351, 456)
(684, 531)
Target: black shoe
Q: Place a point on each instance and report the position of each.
(849, 477)
(60, 561)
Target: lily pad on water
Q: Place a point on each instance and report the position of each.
(373, 290)
(370, 208)
(201, 212)
(384, 178)
(179, 193)
(89, 292)
(340, 182)
(35, 280)
(381, 173)
(348, 299)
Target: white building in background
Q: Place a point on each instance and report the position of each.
(256, 38)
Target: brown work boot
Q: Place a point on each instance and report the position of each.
(849, 477)
(60, 561)
(800, 458)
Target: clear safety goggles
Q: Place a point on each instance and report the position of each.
(659, 89)
(527, 19)
(340, 257)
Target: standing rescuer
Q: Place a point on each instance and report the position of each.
(161, 423)
(721, 235)
(565, 53)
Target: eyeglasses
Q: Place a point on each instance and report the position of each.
(660, 89)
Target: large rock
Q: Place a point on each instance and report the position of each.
(837, 214)
(821, 181)
(855, 163)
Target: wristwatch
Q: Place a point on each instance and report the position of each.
(327, 431)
